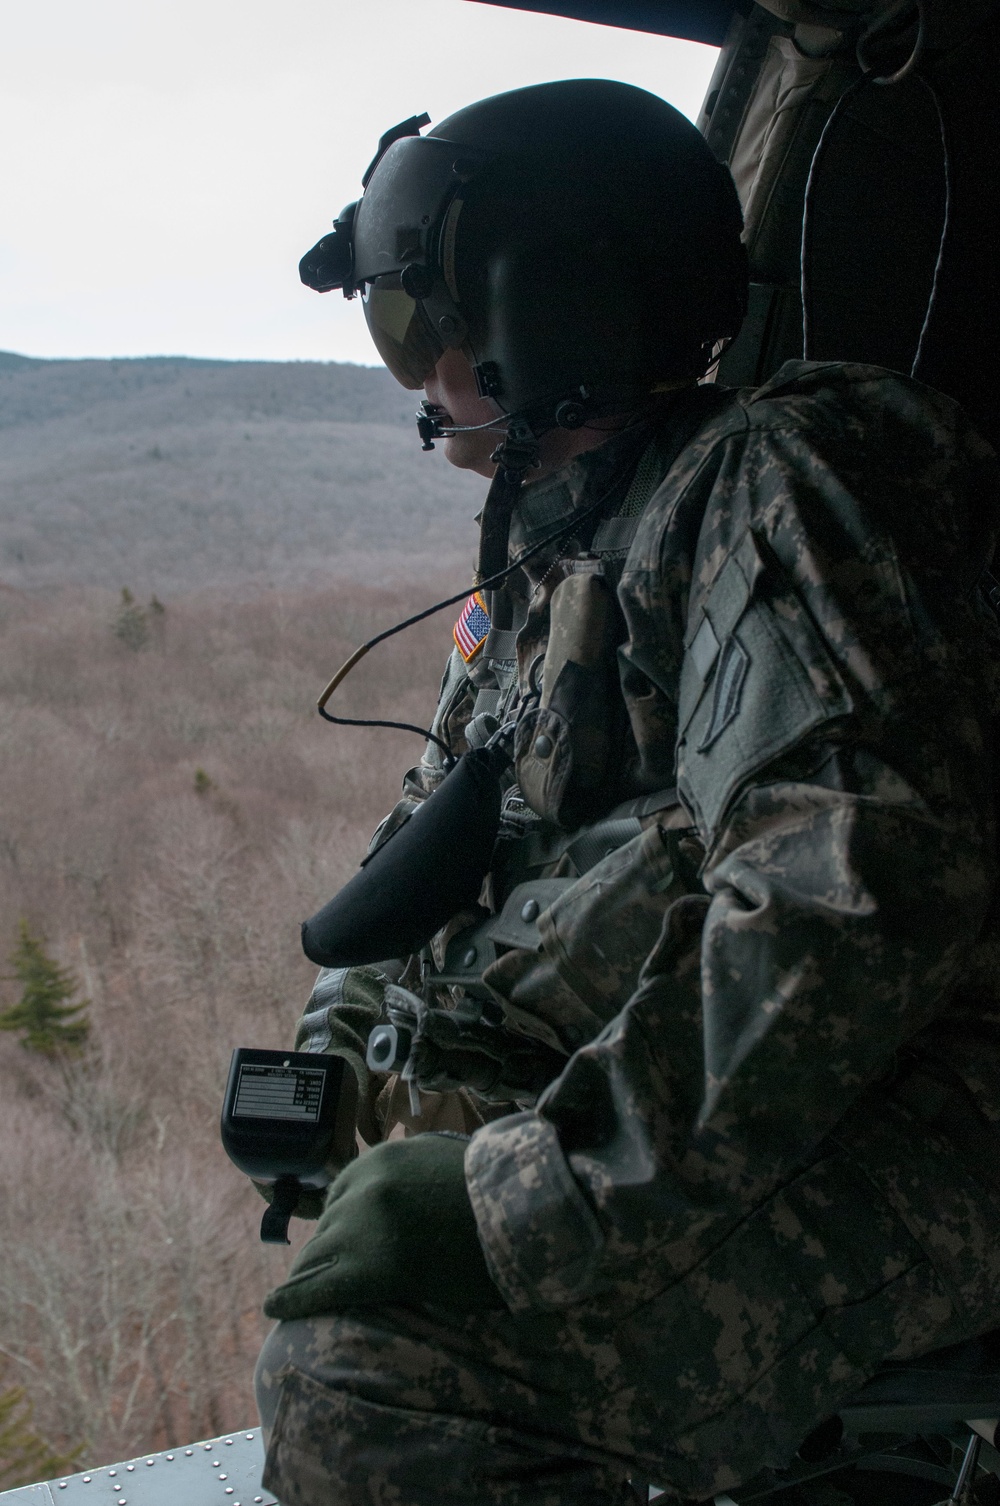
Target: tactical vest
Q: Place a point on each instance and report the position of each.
(579, 859)
(579, 874)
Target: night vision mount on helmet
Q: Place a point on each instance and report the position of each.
(578, 240)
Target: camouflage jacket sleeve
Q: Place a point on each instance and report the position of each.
(804, 625)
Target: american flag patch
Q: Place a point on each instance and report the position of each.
(472, 627)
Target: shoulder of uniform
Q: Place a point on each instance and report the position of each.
(845, 420)
(811, 396)
(842, 377)
(843, 394)
(723, 417)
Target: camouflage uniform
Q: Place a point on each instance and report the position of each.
(768, 1164)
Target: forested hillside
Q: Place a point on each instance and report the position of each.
(169, 474)
(171, 808)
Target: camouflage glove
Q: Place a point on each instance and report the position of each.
(343, 1007)
(451, 1049)
(397, 1230)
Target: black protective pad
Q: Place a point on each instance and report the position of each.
(429, 869)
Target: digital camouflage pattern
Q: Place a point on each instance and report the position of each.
(828, 532)
(344, 1007)
(767, 1165)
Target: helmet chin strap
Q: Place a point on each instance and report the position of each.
(518, 450)
(516, 453)
(514, 456)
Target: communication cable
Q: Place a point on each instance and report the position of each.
(894, 18)
(482, 585)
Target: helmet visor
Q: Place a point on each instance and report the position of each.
(402, 333)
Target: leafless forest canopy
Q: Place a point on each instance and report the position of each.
(170, 809)
(174, 475)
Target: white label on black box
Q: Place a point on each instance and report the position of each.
(279, 1093)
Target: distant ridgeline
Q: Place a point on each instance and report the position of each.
(174, 387)
(168, 474)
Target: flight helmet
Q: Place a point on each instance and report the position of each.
(577, 239)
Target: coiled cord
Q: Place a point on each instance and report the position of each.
(894, 19)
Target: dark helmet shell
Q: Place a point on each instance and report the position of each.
(599, 247)
(577, 239)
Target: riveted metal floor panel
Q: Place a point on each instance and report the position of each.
(223, 1471)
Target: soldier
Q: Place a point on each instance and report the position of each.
(735, 1146)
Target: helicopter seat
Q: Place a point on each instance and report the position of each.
(932, 1393)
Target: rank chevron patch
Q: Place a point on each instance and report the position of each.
(472, 627)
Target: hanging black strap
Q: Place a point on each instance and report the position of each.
(494, 537)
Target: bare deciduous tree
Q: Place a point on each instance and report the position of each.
(132, 1276)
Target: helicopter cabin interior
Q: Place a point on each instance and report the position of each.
(862, 138)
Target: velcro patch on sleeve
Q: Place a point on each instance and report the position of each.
(729, 679)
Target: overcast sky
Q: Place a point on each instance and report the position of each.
(167, 162)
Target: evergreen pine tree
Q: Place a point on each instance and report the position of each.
(24, 1455)
(44, 1020)
(131, 623)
